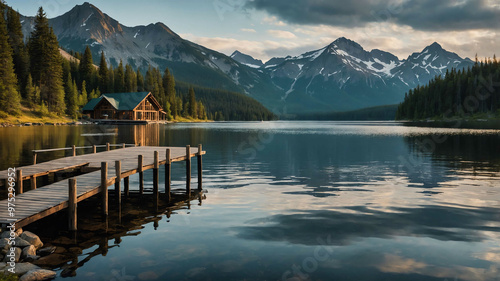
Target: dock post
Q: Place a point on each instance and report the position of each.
(140, 161)
(19, 179)
(94, 148)
(104, 187)
(33, 182)
(34, 157)
(200, 168)
(156, 176)
(118, 189)
(74, 150)
(107, 146)
(126, 186)
(72, 202)
(168, 188)
(123, 145)
(188, 169)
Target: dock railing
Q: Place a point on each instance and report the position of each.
(74, 148)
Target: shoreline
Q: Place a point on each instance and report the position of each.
(61, 122)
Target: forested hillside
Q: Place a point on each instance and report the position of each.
(463, 93)
(222, 105)
(34, 76)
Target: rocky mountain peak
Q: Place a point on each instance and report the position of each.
(246, 59)
(345, 44)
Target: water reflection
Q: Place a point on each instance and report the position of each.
(97, 236)
(365, 196)
(447, 223)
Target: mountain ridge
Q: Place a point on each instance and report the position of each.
(340, 76)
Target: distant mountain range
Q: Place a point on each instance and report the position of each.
(341, 76)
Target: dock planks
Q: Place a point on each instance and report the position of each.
(41, 202)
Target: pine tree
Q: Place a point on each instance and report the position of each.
(103, 74)
(71, 97)
(20, 53)
(119, 78)
(9, 96)
(87, 67)
(130, 79)
(140, 81)
(46, 67)
(37, 46)
(83, 95)
(192, 103)
(92, 95)
(169, 85)
(111, 80)
(32, 93)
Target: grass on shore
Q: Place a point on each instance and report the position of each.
(28, 115)
(181, 119)
(37, 115)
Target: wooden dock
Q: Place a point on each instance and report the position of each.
(99, 171)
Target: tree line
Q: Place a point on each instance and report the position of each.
(460, 93)
(222, 105)
(34, 74)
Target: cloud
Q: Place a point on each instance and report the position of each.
(251, 30)
(342, 228)
(273, 21)
(419, 14)
(282, 34)
(257, 49)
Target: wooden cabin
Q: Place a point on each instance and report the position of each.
(125, 106)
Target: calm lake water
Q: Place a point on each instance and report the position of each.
(302, 201)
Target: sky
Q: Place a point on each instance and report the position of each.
(277, 28)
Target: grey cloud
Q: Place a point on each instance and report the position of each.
(419, 14)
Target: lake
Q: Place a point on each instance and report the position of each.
(297, 201)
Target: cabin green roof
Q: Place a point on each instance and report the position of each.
(91, 104)
(120, 101)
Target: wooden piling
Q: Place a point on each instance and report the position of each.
(72, 205)
(126, 187)
(168, 165)
(73, 147)
(53, 201)
(118, 189)
(200, 168)
(188, 169)
(19, 179)
(33, 182)
(107, 146)
(140, 161)
(156, 175)
(94, 148)
(34, 157)
(104, 187)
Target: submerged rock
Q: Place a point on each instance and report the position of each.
(31, 258)
(38, 274)
(47, 251)
(52, 261)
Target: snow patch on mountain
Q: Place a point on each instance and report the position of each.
(85, 21)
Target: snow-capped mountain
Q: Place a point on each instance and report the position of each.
(421, 67)
(345, 76)
(246, 59)
(341, 76)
